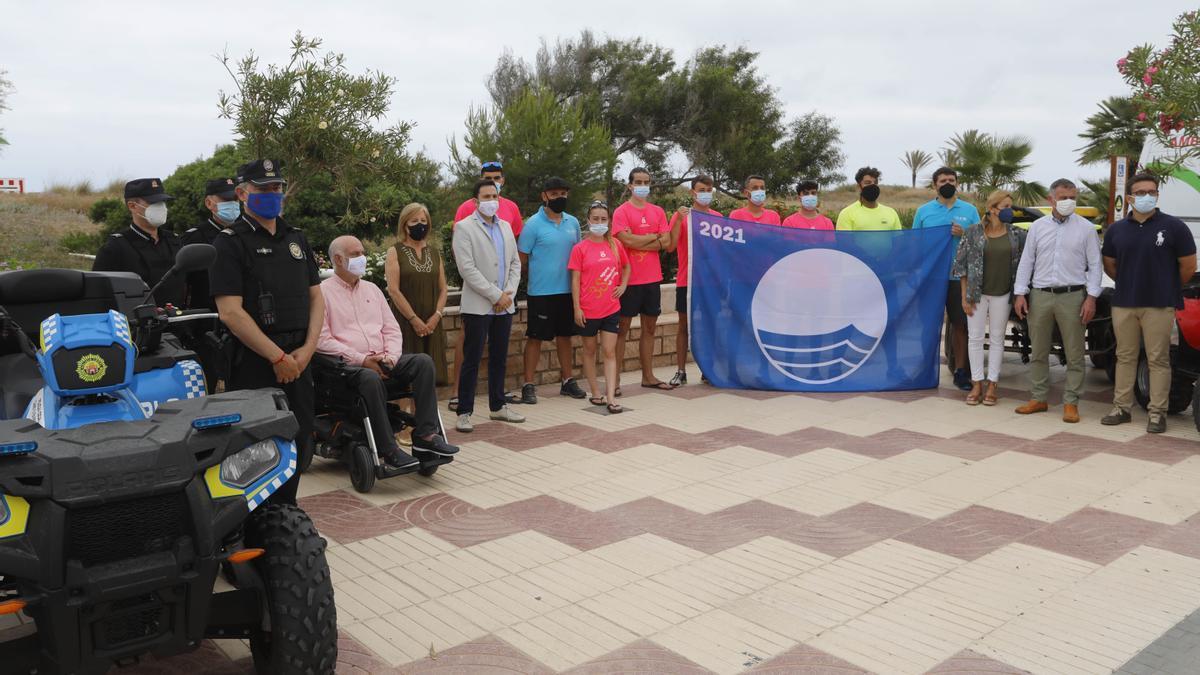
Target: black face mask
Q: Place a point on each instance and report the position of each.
(557, 205)
(947, 191)
(870, 193)
(418, 231)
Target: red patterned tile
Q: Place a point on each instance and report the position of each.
(1182, 538)
(972, 532)
(472, 528)
(521, 440)
(640, 658)
(705, 533)
(993, 439)
(1094, 535)
(589, 530)
(538, 511)
(649, 514)
(1157, 448)
(355, 659)
(828, 537)
(1067, 447)
(628, 438)
(488, 654)
(800, 442)
(430, 509)
(332, 503)
(964, 448)
(805, 660)
(968, 662)
(886, 443)
(907, 396)
(760, 517)
(879, 521)
(361, 524)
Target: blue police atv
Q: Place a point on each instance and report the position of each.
(134, 518)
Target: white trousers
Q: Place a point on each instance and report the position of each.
(990, 318)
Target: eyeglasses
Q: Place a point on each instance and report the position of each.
(492, 166)
(1144, 193)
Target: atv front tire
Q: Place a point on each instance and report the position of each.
(1182, 386)
(302, 639)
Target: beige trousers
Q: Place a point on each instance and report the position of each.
(1135, 327)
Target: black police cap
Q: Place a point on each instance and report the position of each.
(221, 187)
(150, 189)
(261, 172)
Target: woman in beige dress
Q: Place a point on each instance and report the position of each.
(416, 285)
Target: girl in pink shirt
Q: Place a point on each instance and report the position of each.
(599, 274)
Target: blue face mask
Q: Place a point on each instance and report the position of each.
(265, 204)
(1144, 203)
(1005, 215)
(227, 212)
(809, 202)
(758, 197)
(704, 198)
(641, 191)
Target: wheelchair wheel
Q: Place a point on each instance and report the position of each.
(362, 468)
(427, 471)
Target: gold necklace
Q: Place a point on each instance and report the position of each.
(412, 259)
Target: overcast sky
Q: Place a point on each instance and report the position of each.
(110, 90)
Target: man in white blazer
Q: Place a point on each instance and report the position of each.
(486, 253)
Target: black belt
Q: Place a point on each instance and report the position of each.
(1057, 290)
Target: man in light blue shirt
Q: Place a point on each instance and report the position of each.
(948, 209)
(545, 247)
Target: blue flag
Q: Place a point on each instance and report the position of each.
(787, 309)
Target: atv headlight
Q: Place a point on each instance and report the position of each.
(246, 467)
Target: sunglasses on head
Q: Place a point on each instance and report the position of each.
(492, 166)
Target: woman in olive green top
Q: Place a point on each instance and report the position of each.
(416, 285)
(987, 265)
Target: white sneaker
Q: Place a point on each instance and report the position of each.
(506, 414)
(464, 424)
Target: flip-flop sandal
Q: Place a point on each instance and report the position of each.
(617, 392)
(661, 386)
(597, 400)
(453, 404)
(614, 408)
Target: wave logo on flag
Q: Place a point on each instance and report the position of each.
(811, 337)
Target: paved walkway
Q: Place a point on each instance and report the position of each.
(714, 531)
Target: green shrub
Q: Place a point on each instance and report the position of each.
(81, 242)
(110, 213)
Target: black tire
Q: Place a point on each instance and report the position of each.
(1100, 339)
(427, 471)
(362, 468)
(1182, 386)
(1196, 405)
(1110, 370)
(303, 635)
(304, 455)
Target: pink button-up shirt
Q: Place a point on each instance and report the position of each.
(358, 322)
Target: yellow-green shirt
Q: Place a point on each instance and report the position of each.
(858, 217)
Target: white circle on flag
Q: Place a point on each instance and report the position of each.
(818, 315)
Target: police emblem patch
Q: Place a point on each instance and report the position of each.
(295, 250)
(268, 165)
(91, 368)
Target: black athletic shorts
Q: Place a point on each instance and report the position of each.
(954, 303)
(642, 299)
(608, 324)
(551, 316)
(681, 299)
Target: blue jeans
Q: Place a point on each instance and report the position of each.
(478, 329)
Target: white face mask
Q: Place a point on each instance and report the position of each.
(489, 209)
(156, 214)
(1065, 207)
(357, 265)
(598, 229)
(704, 198)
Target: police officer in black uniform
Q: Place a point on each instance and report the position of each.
(220, 198)
(145, 248)
(267, 289)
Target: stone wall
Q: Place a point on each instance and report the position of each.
(547, 372)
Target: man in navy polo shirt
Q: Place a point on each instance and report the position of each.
(1150, 255)
(948, 209)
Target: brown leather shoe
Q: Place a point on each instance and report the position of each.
(1070, 413)
(1034, 406)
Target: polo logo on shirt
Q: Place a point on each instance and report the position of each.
(1159, 240)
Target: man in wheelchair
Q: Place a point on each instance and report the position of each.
(361, 331)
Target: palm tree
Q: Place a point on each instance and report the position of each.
(1112, 130)
(972, 151)
(915, 160)
(986, 162)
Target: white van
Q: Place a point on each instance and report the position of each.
(1179, 195)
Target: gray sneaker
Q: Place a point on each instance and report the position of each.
(1157, 423)
(528, 394)
(1117, 416)
(507, 414)
(464, 424)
